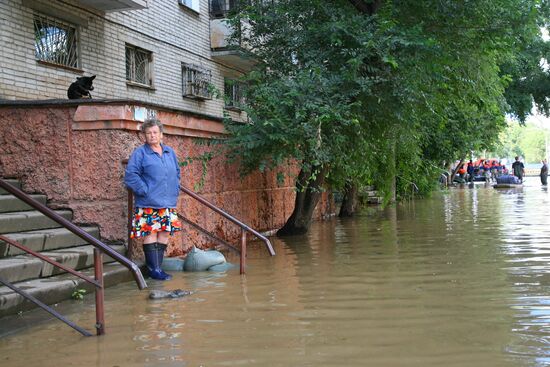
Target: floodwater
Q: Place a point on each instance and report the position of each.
(460, 279)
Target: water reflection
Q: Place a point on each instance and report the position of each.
(460, 279)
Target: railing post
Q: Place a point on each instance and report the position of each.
(99, 293)
(243, 250)
(130, 214)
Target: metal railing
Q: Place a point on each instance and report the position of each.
(99, 248)
(244, 228)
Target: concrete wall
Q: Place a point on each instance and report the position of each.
(73, 153)
(173, 33)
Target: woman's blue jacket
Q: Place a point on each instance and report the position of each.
(153, 178)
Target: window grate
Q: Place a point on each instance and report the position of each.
(196, 82)
(55, 41)
(234, 94)
(138, 65)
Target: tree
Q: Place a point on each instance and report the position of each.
(356, 92)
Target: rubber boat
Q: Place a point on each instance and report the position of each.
(507, 182)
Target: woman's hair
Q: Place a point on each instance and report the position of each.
(150, 122)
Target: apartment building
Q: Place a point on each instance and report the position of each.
(170, 53)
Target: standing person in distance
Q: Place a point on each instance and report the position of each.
(518, 169)
(544, 172)
(153, 174)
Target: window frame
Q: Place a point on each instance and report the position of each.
(193, 5)
(236, 100)
(188, 85)
(72, 46)
(132, 78)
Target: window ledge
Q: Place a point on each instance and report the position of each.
(233, 108)
(139, 85)
(54, 65)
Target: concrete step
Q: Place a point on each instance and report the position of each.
(56, 289)
(28, 221)
(374, 200)
(45, 239)
(12, 182)
(23, 267)
(9, 203)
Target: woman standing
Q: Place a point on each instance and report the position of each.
(153, 174)
(544, 173)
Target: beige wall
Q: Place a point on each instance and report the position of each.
(172, 32)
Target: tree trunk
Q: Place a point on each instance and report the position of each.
(307, 197)
(350, 200)
(454, 171)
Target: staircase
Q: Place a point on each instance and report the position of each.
(371, 195)
(37, 232)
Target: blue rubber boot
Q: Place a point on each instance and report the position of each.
(152, 261)
(161, 247)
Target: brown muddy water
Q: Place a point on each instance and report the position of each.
(460, 279)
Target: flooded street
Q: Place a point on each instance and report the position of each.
(459, 279)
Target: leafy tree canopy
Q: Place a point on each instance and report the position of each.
(369, 97)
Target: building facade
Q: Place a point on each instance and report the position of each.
(155, 51)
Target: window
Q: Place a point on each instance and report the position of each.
(138, 65)
(221, 8)
(195, 82)
(191, 4)
(55, 41)
(234, 94)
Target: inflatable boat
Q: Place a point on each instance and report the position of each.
(507, 182)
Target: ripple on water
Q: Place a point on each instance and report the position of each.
(460, 279)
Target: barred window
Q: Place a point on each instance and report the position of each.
(55, 41)
(234, 94)
(195, 82)
(138, 65)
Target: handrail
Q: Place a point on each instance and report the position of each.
(211, 235)
(50, 261)
(230, 218)
(34, 299)
(244, 227)
(138, 277)
(45, 307)
(99, 247)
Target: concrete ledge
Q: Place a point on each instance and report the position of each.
(56, 289)
(80, 257)
(44, 239)
(23, 267)
(130, 117)
(12, 182)
(9, 203)
(20, 268)
(30, 220)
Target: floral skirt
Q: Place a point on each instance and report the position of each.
(148, 220)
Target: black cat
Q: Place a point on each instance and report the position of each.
(81, 88)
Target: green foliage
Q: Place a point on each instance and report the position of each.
(78, 294)
(528, 141)
(371, 98)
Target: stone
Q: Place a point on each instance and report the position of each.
(176, 293)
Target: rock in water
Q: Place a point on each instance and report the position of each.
(176, 293)
(200, 260)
